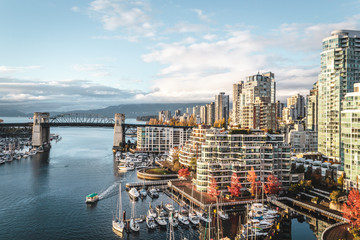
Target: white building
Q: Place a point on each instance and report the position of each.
(161, 139)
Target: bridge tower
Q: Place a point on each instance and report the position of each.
(40, 134)
(119, 136)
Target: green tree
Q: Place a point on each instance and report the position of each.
(193, 163)
(340, 182)
(334, 196)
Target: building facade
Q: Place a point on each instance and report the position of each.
(312, 109)
(340, 69)
(221, 107)
(160, 139)
(226, 152)
(210, 111)
(254, 104)
(302, 140)
(350, 137)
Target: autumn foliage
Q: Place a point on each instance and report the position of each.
(212, 189)
(351, 209)
(272, 185)
(235, 187)
(184, 172)
(255, 185)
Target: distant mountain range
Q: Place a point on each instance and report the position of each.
(130, 110)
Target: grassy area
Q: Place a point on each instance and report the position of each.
(158, 171)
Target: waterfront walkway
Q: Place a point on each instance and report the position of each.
(337, 232)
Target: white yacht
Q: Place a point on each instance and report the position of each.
(134, 194)
(134, 225)
(183, 219)
(161, 221)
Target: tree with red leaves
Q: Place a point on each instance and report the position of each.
(235, 187)
(184, 172)
(272, 185)
(255, 185)
(212, 189)
(351, 209)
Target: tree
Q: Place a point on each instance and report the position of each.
(334, 196)
(351, 209)
(255, 186)
(340, 181)
(193, 163)
(153, 121)
(184, 172)
(272, 185)
(191, 121)
(212, 189)
(300, 169)
(235, 186)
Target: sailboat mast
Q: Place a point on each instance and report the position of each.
(120, 203)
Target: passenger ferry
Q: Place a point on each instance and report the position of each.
(91, 198)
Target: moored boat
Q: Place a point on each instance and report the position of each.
(134, 194)
(118, 222)
(150, 222)
(153, 193)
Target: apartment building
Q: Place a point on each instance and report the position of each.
(160, 139)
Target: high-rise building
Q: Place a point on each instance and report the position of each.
(279, 108)
(350, 137)
(164, 115)
(210, 110)
(340, 69)
(255, 105)
(237, 90)
(221, 107)
(312, 109)
(203, 114)
(196, 111)
(295, 108)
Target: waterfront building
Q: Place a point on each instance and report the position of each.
(190, 152)
(302, 140)
(164, 115)
(350, 137)
(160, 139)
(340, 67)
(177, 113)
(237, 151)
(196, 110)
(189, 110)
(221, 107)
(255, 106)
(312, 109)
(210, 110)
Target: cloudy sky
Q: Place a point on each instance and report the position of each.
(81, 54)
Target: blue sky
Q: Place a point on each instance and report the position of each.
(66, 55)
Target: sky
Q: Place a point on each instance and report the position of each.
(58, 55)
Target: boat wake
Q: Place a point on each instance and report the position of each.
(109, 191)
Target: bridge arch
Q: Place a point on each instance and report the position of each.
(81, 118)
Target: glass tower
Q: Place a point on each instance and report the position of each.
(340, 66)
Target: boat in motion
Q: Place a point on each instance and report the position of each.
(118, 222)
(92, 198)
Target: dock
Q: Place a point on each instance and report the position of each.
(151, 183)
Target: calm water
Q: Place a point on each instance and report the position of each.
(43, 196)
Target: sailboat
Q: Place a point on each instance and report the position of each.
(118, 222)
(133, 224)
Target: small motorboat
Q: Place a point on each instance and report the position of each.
(134, 194)
(143, 193)
(194, 218)
(205, 217)
(153, 193)
(134, 226)
(169, 207)
(150, 222)
(161, 221)
(183, 219)
(91, 198)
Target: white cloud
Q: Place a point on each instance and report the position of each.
(8, 69)
(186, 27)
(197, 70)
(133, 18)
(75, 9)
(201, 15)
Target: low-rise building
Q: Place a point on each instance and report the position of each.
(302, 140)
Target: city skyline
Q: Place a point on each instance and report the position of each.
(92, 54)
